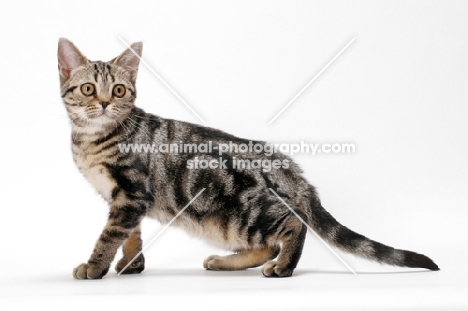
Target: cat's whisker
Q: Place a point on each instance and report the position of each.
(126, 130)
(144, 130)
(140, 117)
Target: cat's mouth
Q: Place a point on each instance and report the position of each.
(104, 113)
(103, 116)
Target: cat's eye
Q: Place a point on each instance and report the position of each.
(87, 89)
(119, 90)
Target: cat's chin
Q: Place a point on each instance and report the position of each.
(105, 122)
(103, 119)
(96, 126)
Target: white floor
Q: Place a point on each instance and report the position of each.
(175, 282)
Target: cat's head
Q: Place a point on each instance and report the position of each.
(98, 95)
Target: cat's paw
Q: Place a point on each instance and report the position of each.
(136, 266)
(272, 269)
(213, 262)
(87, 271)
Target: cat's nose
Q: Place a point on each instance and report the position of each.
(104, 104)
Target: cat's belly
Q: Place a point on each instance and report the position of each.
(209, 230)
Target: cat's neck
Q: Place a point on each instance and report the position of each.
(94, 132)
(91, 132)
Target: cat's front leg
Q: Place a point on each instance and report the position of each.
(122, 221)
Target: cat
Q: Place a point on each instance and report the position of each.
(235, 208)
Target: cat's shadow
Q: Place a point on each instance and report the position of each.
(331, 272)
(194, 272)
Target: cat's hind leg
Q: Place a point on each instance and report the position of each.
(131, 247)
(291, 249)
(248, 258)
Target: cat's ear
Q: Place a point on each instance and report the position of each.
(69, 58)
(130, 59)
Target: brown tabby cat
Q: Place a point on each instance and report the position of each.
(236, 211)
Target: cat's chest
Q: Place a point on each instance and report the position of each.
(96, 173)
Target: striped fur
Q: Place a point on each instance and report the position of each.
(235, 212)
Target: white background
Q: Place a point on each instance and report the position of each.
(400, 93)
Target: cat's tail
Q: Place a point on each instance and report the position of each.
(329, 229)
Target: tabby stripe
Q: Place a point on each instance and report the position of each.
(112, 134)
(96, 73)
(70, 89)
(71, 104)
(76, 141)
(382, 251)
(108, 146)
(351, 239)
(170, 129)
(109, 72)
(116, 233)
(244, 216)
(78, 122)
(139, 166)
(266, 223)
(115, 192)
(118, 173)
(127, 216)
(153, 123)
(280, 221)
(140, 195)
